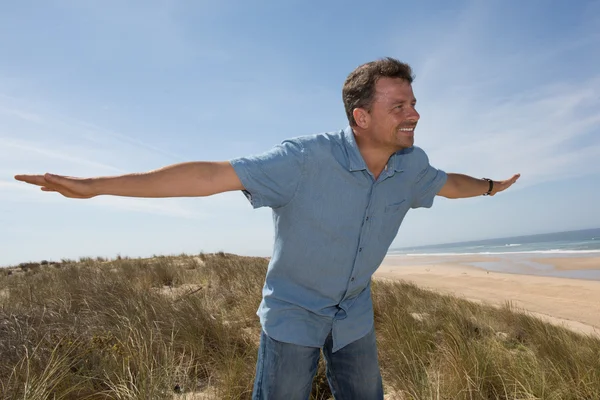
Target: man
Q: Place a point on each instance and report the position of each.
(338, 200)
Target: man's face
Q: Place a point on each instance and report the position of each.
(393, 114)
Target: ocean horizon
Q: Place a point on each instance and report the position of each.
(577, 243)
(528, 255)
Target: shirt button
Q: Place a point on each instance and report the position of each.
(367, 218)
(352, 279)
(359, 250)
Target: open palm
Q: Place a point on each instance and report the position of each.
(68, 186)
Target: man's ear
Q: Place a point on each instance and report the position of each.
(362, 117)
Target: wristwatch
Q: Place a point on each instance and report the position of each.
(491, 187)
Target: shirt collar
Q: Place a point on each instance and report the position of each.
(356, 161)
(397, 160)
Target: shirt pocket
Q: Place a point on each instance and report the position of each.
(395, 207)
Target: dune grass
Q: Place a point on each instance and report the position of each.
(184, 327)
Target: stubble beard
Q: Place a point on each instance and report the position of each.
(404, 141)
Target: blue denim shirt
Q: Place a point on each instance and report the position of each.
(333, 226)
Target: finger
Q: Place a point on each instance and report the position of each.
(510, 181)
(32, 179)
(61, 181)
(47, 189)
(57, 179)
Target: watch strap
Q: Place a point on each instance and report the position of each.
(490, 188)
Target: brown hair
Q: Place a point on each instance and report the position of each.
(359, 87)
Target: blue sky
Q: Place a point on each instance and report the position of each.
(93, 88)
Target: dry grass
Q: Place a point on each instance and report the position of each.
(185, 328)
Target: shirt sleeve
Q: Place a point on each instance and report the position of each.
(428, 183)
(271, 179)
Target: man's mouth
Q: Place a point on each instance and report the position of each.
(407, 129)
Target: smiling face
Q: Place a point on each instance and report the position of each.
(390, 121)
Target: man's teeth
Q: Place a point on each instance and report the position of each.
(407, 129)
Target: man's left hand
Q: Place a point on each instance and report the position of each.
(459, 186)
(500, 186)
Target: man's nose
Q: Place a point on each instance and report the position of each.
(414, 115)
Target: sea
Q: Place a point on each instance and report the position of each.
(513, 254)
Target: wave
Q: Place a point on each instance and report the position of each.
(512, 245)
(553, 251)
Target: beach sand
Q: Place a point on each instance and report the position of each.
(574, 303)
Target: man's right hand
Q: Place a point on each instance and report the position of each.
(188, 179)
(75, 188)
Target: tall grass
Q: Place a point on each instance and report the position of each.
(441, 347)
(185, 328)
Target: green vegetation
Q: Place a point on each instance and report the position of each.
(185, 327)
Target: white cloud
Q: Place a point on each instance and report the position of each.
(55, 144)
(497, 111)
(16, 186)
(60, 130)
(547, 134)
(35, 151)
(20, 114)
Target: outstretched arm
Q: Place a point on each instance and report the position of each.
(459, 186)
(178, 180)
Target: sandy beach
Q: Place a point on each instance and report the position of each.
(574, 303)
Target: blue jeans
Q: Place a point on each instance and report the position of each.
(285, 371)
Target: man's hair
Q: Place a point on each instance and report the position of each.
(359, 88)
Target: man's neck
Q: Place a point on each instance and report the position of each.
(376, 158)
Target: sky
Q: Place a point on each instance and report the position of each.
(97, 88)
